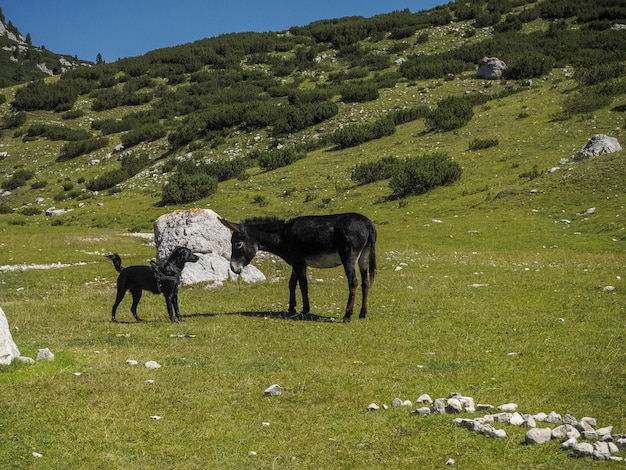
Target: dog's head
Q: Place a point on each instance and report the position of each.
(182, 255)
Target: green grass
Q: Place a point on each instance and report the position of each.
(488, 268)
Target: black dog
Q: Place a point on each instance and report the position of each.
(157, 278)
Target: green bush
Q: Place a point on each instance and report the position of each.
(357, 134)
(451, 113)
(421, 174)
(186, 187)
(80, 147)
(107, 180)
(585, 102)
(277, 158)
(14, 120)
(480, 144)
(18, 179)
(383, 169)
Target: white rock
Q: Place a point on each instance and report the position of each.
(424, 398)
(569, 443)
(273, 391)
(454, 406)
(517, 419)
(8, 348)
(538, 435)
(201, 232)
(131, 362)
(373, 407)
(582, 449)
(44, 355)
(152, 365)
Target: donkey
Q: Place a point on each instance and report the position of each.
(324, 241)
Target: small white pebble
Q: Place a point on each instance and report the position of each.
(37, 454)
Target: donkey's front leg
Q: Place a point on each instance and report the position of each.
(300, 271)
(293, 281)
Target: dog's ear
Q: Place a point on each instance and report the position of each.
(232, 226)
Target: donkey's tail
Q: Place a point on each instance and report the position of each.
(117, 261)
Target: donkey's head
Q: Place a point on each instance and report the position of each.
(243, 246)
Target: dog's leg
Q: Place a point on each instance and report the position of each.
(120, 296)
(136, 298)
(170, 307)
(175, 304)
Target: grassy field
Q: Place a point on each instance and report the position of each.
(454, 297)
(493, 287)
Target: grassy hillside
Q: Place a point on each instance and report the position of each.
(493, 286)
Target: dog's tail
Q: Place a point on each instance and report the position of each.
(117, 261)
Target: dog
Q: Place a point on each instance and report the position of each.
(157, 278)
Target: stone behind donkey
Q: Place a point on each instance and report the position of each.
(201, 232)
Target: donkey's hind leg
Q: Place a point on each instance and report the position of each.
(365, 281)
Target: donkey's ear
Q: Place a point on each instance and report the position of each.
(230, 225)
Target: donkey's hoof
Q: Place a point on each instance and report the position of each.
(346, 319)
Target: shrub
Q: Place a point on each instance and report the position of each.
(480, 144)
(39, 184)
(107, 180)
(5, 208)
(356, 134)
(18, 179)
(451, 113)
(358, 93)
(186, 187)
(385, 168)
(585, 102)
(277, 158)
(421, 174)
(13, 120)
(80, 147)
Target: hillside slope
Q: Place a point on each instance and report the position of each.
(174, 106)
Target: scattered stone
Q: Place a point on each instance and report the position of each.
(454, 406)
(424, 398)
(424, 411)
(396, 402)
(450, 463)
(538, 435)
(601, 451)
(508, 407)
(582, 449)
(152, 365)
(565, 432)
(44, 355)
(372, 407)
(156, 417)
(439, 406)
(553, 417)
(569, 444)
(273, 391)
(131, 362)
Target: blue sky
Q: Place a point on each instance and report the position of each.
(126, 28)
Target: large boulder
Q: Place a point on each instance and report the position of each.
(201, 232)
(8, 348)
(491, 68)
(599, 144)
